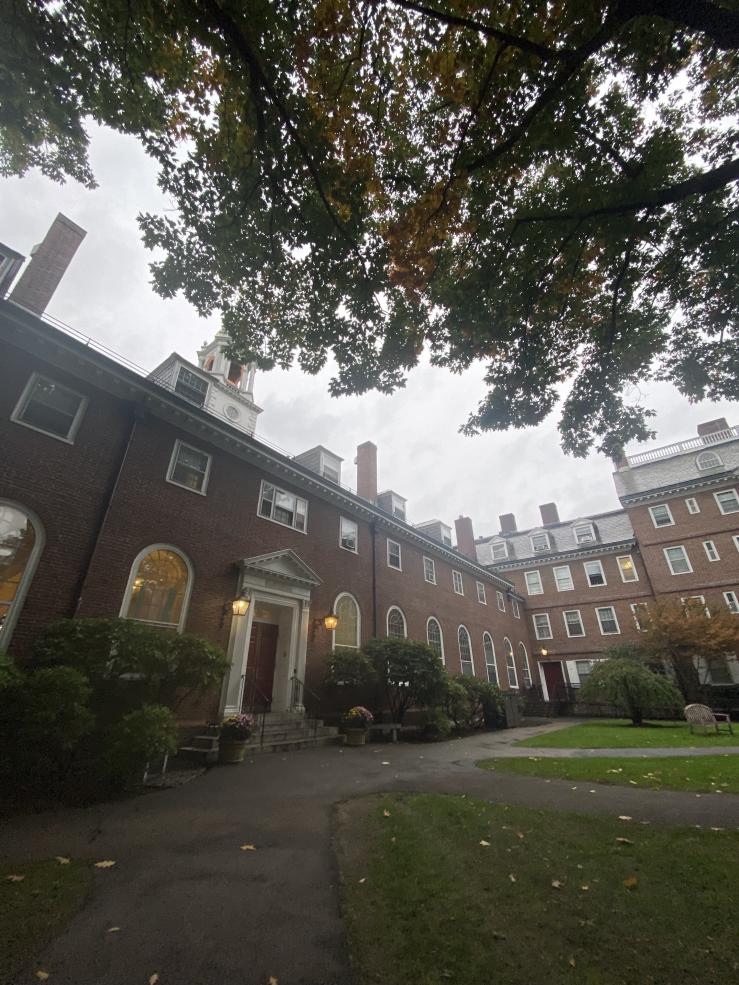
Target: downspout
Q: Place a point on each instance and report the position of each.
(373, 527)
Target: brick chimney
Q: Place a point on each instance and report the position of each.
(507, 523)
(549, 513)
(465, 537)
(49, 261)
(711, 427)
(366, 462)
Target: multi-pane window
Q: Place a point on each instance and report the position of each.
(584, 533)
(692, 505)
(20, 546)
(347, 632)
(677, 559)
(732, 602)
(727, 500)
(563, 578)
(510, 663)
(594, 572)
(533, 583)
(584, 669)
(348, 535)
(489, 651)
(710, 548)
(661, 515)
(393, 555)
(515, 609)
(708, 460)
(627, 568)
(539, 542)
(458, 583)
(465, 652)
(573, 623)
(736, 541)
(434, 638)
(640, 612)
(396, 623)
(282, 507)
(429, 570)
(189, 468)
(191, 386)
(607, 620)
(481, 596)
(499, 550)
(158, 588)
(696, 603)
(500, 597)
(525, 665)
(50, 408)
(542, 626)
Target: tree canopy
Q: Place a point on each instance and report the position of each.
(547, 187)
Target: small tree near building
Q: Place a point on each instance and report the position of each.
(631, 687)
(409, 673)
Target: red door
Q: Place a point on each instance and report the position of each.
(555, 678)
(260, 667)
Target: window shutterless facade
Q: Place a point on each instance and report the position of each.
(533, 583)
(21, 543)
(348, 628)
(691, 504)
(735, 538)
(708, 460)
(50, 408)
(540, 543)
(429, 570)
(627, 568)
(481, 597)
(710, 548)
(607, 620)
(515, 609)
(348, 535)
(563, 578)
(191, 386)
(283, 507)
(465, 652)
(584, 533)
(499, 550)
(727, 501)
(501, 601)
(677, 560)
(457, 582)
(189, 468)
(573, 623)
(396, 625)
(542, 626)
(594, 573)
(640, 612)
(393, 555)
(661, 515)
(158, 588)
(523, 654)
(584, 669)
(488, 648)
(434, 637)
(510, 662)
(732, 602)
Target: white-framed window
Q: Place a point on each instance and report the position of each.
(159, 586)
(573, 623)
(189, 468)
(607, 620)
(51, 408)
(510, 662)
(21, 542)
(727, 501)
(708, 460)
(735, 538)
(584, 533)
(732, 602)
(584, 669)
(697, 601)
(595, 574)
(499, 550)
(283, 507)
(488, 648)
(540, 542)
(526, 667)
(465, 652)
(677, 560)
(500, 597)
(563, 578)
(481, 596)
(348, 535)
(533, 583)
(434, 637)
(627, 568)
(542, 626)
(640, 612)
(396, 624)
(515, 608)
(457, 582)
(393, 555)
(661, 515)
(710, 548)
(429, 570)
(348, 632)
(691, 504)
(191, 386)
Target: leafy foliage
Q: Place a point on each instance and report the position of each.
(471, 703)
(631, 687)
(349, 667)
(549, 188)
(145, 734)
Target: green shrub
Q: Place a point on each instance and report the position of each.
(351, 668)
(409, 674)
(435, 725)
(141, 736)
(472, 704)
(631, 687)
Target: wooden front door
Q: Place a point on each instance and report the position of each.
(260, 667)
(555, 678)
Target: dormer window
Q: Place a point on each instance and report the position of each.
(584, 533)
(191, 386)
(540, 543)
(708, 460)
(499, 550)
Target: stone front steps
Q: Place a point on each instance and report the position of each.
(282, 732)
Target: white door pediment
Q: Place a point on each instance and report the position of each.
(284, 566)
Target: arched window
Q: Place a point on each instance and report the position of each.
(510, 663)
(489, 649)
(21, 542)
(348, 629)
(525, 664)
(434, 637)
(234, 373)
(396, 623)
(708, 460)
(465, 652)
(159, 587)
(209, 363)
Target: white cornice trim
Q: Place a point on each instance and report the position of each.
(593, 549)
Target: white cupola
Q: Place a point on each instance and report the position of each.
(234, 395)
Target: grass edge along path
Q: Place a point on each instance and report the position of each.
(439, 889)
(36, 907)
(618, 733)
(709, 774)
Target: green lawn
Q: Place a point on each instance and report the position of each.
(710, 773)
(618, 733)
(36, 908)
(427, 904)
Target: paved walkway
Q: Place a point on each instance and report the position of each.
(196, 910)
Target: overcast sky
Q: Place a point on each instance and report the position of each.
(106, 295)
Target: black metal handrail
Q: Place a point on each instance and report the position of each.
(298, 692)
(257, 709)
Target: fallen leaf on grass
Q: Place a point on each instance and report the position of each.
(717, 829)
(556, 884)
(631, 882)
(384, 763)
(107, 863)
(585, 888)
(363, 879)
(248, 848)
(571, 962)
(520, 834)
(512, 877)
(624, 841)
(386, 813)
(485, 844)
(42, 975)
(272, 980)
(153, 979)
(112, 930)
(62, 859)
(14, 878)
(624, 817)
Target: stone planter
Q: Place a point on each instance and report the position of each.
(231, 750)
(355, 736)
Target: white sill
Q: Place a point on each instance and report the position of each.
(279, 523)
(69, 440)
(181, 485)
(351, 550)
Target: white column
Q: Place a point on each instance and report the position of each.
(238, 650)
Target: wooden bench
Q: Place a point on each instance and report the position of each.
(702, 716)
(392, 729)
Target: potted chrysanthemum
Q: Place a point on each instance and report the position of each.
(234, 733)
(356, 722)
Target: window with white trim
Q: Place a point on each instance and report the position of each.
(563, 578)
(727, 501)
(499, 550)
(189, 468)
(465, 652)
(584, 533)
(348, 628)
(429, 570)
(573, 623)
(457, 582)
(540, 542)
(481, 596)
(510, 662)
(158, 588)
(523, 653)
(696, 602)
(434, 637)
(500, 597)
(710, 548)
(594, 572)
(393, 555)
(732, 602)
(708, 460)
(533, 583)
(661, 515)
(348, 535)
(691, 504)
(542, 626)
(21, 543)
(50, 408)
(515, 609)
(677, 560)
(488, 648)
(607, 620)
(282, 507)
(627, 568)
(735, 538)
(584, 669)
(396, 625)
(640, 612)
(191, 386)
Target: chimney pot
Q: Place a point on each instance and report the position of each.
(366, 462)
(49, 262)
(711, 427)
(549, 513)
(507, 523)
